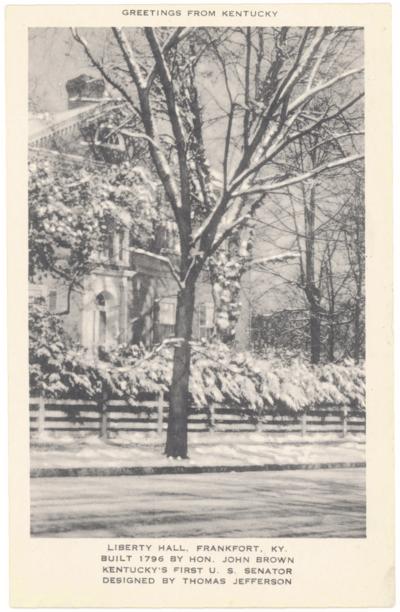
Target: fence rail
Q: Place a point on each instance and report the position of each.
(115, 416)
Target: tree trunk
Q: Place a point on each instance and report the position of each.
(315, 335)
(176, 445)
(357, 330)
(156, 323)
(331, 340)
(311, 290)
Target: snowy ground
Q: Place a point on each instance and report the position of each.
(206, 449)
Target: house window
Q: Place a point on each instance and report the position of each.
(119, 245)
(52, 301)
(102, 319)
(166, 317)
(36, 292)
(101, 300)
(206, 319)
(102, 328)
(108, 247)
(167, 313)
(113, 246)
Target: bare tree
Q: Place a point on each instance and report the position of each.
(323, 289)
(266, 104)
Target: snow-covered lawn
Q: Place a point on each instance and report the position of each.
(205, 449)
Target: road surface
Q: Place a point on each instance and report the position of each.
(315, 503)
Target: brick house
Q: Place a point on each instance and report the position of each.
(130, 296)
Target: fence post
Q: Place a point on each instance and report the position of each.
(212, 416)
(345, 422)
(304, 423)
(103, 418)
(41, 417)
(160, 413)
(259, 422)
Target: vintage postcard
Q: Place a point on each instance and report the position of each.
(200, 305)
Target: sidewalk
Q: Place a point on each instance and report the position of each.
(142, 454)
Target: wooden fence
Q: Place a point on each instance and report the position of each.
(117, 416)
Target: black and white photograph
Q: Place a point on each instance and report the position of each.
(196, 217)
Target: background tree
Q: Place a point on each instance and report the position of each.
(312, 304)
(75, 209)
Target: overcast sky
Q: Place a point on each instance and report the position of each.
(54, 58)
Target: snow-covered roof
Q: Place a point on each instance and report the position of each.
(152, 264)
(43, 125)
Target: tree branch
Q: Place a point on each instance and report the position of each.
(100, 67)
(130, 60)
(174, 117)
(312, 92)
(158, 157)
(299, 178)
(284, 141)
(176, 37)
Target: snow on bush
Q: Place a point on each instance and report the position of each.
(219, 375)
(72, 210)
(239, 379)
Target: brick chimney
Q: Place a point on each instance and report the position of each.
(84, 90)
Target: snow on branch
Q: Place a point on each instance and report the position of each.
(305, 56)
(228, 230)
(175, 38)
(145, 112)
(173, 112)
(285, 139)
(166, 343)
(273, 259)
(130, 59)
(140, 135)
(335, 137)
(312, 92)
(279, 184)
(104, 73)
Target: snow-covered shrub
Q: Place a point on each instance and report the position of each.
(58, 367)
(343, 383)
(219, 375)
(73, 209)
(225, 376)
(238, 379)
(300, 386)
(138, 370)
